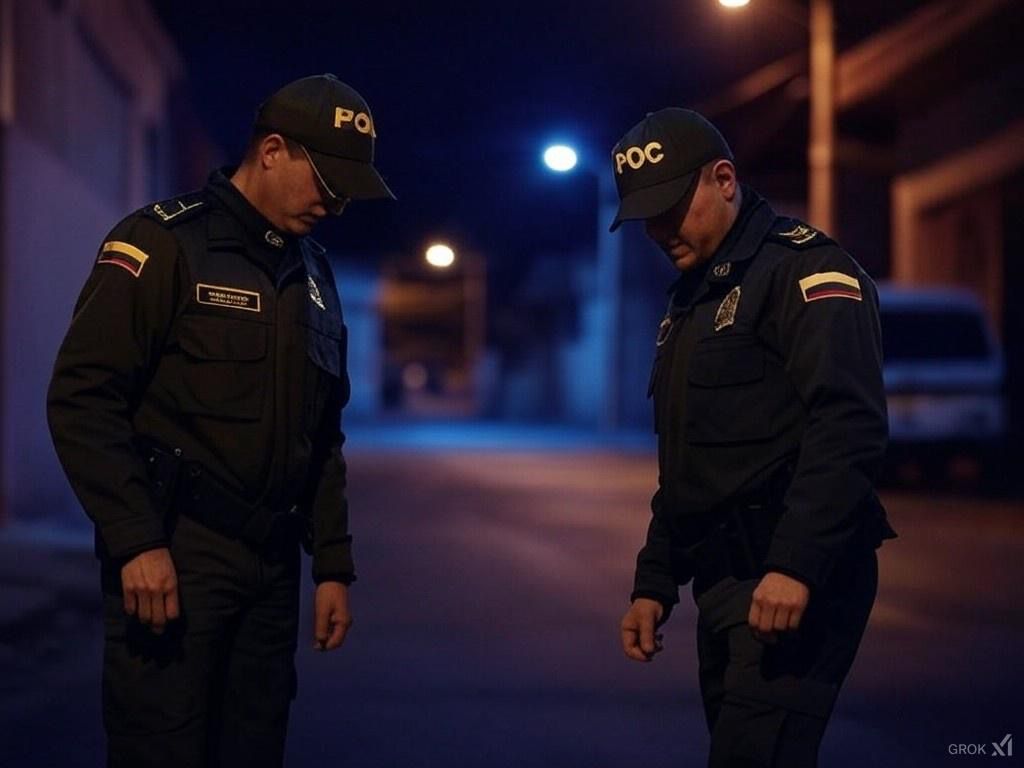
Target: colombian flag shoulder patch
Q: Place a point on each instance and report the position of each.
(830, 285)
(124, 255)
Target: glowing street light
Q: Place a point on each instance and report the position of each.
(440, 255)
(734, 3)
(560, 158)
(471, 278)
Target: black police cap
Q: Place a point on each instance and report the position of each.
(658, 159)
(333, 122)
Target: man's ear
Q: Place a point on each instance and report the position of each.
(272, 148)
(724, 174)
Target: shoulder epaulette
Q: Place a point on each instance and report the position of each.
(796, 235)
(177, 210)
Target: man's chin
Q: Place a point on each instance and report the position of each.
(300, 227)
(680, 257)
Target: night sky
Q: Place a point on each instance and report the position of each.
(465, 95)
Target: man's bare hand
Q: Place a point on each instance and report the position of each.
(777, 607)
(150, 586)
(332, 618)
(639, 640)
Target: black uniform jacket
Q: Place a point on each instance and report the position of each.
(204, 329)
(769, 357)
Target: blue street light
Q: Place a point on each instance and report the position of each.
(560, 158)
(601, 336)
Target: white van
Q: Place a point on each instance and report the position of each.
(943, 368)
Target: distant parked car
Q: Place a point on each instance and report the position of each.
(944, 374)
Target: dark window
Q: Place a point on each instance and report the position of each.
(924, 335)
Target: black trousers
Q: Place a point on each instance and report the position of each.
(767, 705)
(215, 689)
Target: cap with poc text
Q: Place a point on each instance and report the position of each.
(333, 122)
(658, 159)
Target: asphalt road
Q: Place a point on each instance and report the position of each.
(491, 585)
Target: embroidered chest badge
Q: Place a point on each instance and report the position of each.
(726, 314)
(314, 292)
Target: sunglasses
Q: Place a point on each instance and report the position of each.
(334, 204)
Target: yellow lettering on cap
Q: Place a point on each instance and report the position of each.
(635, 157)
(363, 123)
(342, 115)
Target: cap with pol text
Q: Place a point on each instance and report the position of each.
(333, 122)
(658, 159)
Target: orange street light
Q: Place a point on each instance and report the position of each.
(440, 256)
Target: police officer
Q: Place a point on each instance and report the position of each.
(771, 423)
(195, 406)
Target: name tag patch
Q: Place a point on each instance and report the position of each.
(233, 298)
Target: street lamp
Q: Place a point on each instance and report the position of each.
(440, 256)
(473, 271)
(821, 149)
(562, 158)
(821, 130)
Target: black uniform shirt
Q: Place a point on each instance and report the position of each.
(204, 329)
(769, 356)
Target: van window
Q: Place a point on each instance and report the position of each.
(918, 335)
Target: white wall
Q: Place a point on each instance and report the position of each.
(82, 85)
(53, 225)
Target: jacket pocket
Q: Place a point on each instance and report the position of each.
(727, 392)
(224, 371)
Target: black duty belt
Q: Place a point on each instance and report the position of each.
(733, 539)
(735, 545)
(187, 487)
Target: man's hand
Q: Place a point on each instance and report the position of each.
(150, 586)
(778, 606)
(332, 620)
(638, 625)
